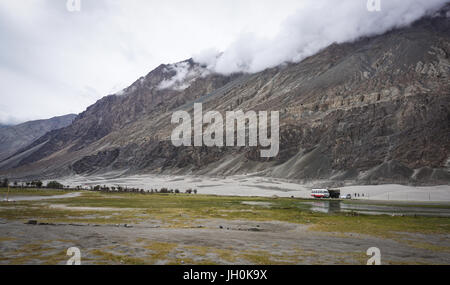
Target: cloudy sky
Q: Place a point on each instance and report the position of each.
(54, 62)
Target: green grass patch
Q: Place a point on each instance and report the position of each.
(430, 205)
(184, 210)
(382, 225)
(104, 257)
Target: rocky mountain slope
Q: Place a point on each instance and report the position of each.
(13, 138)
(372, 111)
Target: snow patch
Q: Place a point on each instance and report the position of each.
(185, 75)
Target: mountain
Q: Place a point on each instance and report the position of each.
(372, 111)
(13, 138)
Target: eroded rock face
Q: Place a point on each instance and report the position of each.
(95, 162)
(373, 111)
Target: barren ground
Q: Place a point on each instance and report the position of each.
(198, 229)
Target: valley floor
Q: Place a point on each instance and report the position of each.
(199, 229)
(249, 185)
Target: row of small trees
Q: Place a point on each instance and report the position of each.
(56, 185)
(32, 184)
(120, 189)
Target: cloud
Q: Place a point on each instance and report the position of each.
(53, 62)
(314, 26)
(184, 75)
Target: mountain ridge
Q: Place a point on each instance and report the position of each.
(15, 137)
(371, 111)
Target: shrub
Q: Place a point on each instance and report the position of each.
(5, 182)
(54, 185)
(37, 183)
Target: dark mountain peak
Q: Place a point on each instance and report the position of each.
(177, 76)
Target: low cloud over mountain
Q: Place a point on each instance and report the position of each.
(316, 25)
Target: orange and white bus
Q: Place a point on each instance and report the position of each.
(320, 193)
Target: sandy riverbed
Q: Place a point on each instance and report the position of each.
(259, 186)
